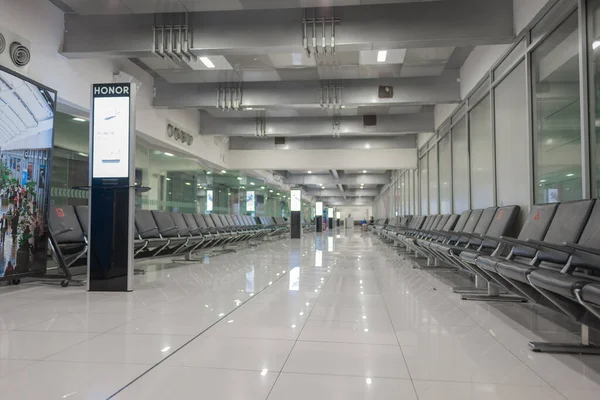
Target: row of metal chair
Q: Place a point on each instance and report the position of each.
(554, 261)
(160, 233)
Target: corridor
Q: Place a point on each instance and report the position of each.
(334, 316)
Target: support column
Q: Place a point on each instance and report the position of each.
(330, 217)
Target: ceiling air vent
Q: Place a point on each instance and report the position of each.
(279, 141)
(386, 92)
(369, 120)
(2, 43)
(19, 54)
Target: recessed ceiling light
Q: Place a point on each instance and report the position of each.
(381, 56)
(252, 183)
(206, 61)
(343, 107)
(83, 154)
(239, 178)
(262, 187)
(79, 119)
(542, 181)
(223, 172)
(168, 179)
(596, 44)
(249, 108)
(169, 154)
(310, 172)
(270, 191)
(364, 171)
(570, 174)
(208, 172)
(188, 184)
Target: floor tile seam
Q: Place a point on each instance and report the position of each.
(300, 333)
(500, 343)
(345, 375)
(46, 360)
(516, 385)
(189, 341)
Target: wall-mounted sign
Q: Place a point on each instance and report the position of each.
(330, 213)
(178, 134)
(111, 112)
(209, 200)
(338, 215)
(319, 208)
(296, 203)
(250, 201)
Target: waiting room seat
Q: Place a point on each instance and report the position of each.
(68, 241)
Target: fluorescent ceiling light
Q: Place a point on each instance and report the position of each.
(83, 154)
(239, 178)
(189, 184)
(208, 172)
(206, 61)
(310, 172)
(252, 183)
(262, 187)
(169, 154)
(364, 171)
(168, 179)
(249, 108)
(381, 56)
(79, 119)
(223, 172)
(270, 191)
(596, 44)
(570, 174)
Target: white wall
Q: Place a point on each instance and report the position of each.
(524, 11)
(441, 112)
(357, 212)
(478, 64)
(42, 24)
(323, 159)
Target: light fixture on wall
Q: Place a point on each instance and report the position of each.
(382, 56)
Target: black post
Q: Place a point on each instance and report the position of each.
(319, 223)
(330, 222)
(296, 225)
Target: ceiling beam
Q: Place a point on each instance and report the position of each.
(356, 92)
(367, 179)
(347, 193)
(335, 174)
(387, 125)
(383, 26)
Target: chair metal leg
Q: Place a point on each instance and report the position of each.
(570, 348)
(492, 294)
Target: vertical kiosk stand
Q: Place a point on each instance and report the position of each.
(337, 217)
(296, 214)
(319, 215)
(330, 217)
(112, 187)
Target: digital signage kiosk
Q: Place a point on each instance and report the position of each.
(330, 217)
(296, 214)
(319, 215)
(112, 187)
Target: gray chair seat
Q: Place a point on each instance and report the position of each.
(514, 270)
(556, 282)
(591, 293)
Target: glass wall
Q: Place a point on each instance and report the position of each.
(177, 183)
(460, 166)
(556, 107)
(424, 192)
(481, 153)
(433, 180)
(445, 167)
(594, 96)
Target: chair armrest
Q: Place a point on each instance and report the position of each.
(552, 246)
(62, 231)
(171, 229)
(583, 249)
(510, 241)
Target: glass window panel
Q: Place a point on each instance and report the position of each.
(557, 135)
(481, 148)
(433, 181)
(424, 185)
(594, 60)
(460, 167)
(515, 54)
(445, 155)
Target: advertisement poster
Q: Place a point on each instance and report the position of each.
(24, 247)
(42, 177)
(296, 203)
(209, 200)
(250, 201)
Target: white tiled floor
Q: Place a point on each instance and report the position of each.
(270, 322)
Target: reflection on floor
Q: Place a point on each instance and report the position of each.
(334, 316)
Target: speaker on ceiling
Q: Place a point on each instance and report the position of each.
(369, 120)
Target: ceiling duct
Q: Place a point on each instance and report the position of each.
(230, 98)
(331, 95)
(369, 120)
(14, 51)
(173, 40)
(261, 127)
(326, 25)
